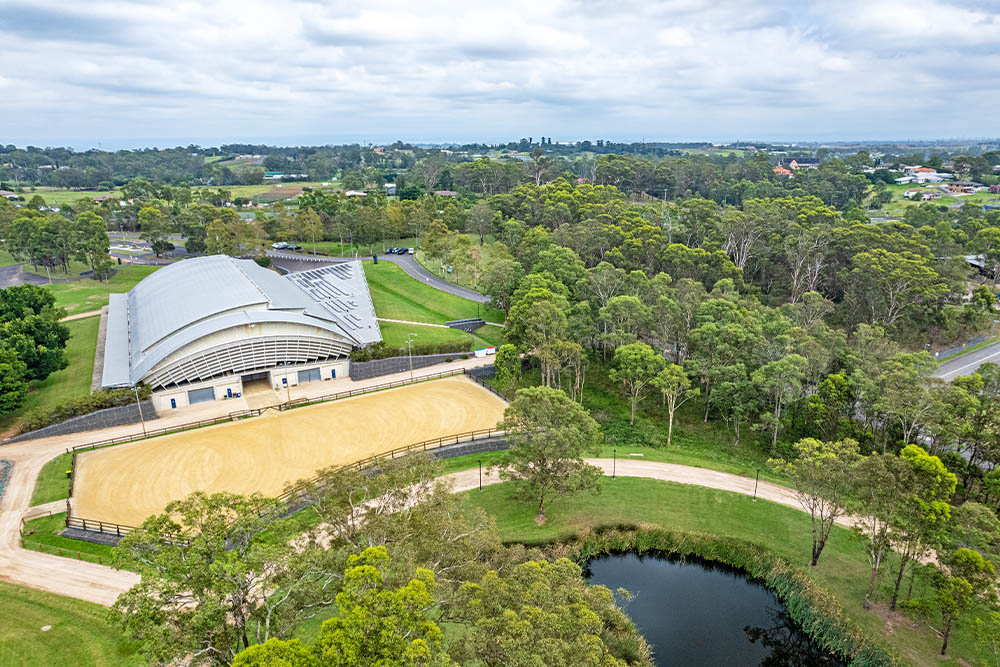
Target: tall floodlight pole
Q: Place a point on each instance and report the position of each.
(409, 351)
(139, 408)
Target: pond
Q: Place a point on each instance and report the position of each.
(699, 613)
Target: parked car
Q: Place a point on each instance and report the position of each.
(292, 246)
(391, 251)
(280, 245)
(409, 251)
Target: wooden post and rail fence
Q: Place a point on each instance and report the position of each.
(430, 445)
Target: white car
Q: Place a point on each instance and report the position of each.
(409, 251)
(280, 245)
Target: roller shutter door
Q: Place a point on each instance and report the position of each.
(201, 395)
(311, 375)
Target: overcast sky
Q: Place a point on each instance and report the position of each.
(160, 72)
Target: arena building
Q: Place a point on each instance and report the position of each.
(199, 329)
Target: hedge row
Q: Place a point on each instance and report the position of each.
(98, 400)
(815, 610)
(383, 351)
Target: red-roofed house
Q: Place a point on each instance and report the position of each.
(781, 171)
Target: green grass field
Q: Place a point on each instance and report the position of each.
(84, 296)
(6, 259)
(79, 632)
(899, 204)
(397, 296)
(395, 334)
(61, 196)
(42, 534)
(783, 530)
(52, 482)
(72, 381)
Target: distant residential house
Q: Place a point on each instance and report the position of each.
(446, 193)
(582, 180)
(923, 170)
(796, 163)
(922, 195)
(904, 180)
(46, 166)
(995, 189)
(7, 194)
(355, 193)
(390, 188)
(965, 187)
(781, 171)
(103, 198)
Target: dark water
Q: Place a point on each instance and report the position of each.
(696, 613)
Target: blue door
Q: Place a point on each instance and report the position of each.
(284, 382)
(229, 393)
(333, 373)
(173, 403)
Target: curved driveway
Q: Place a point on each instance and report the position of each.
(102, 584)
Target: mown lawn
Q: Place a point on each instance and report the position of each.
(72, 381)
(52, 482)
(42, 534)
(784, 530)
(395, 334)
(397, 296)
(84, 296)
(79, 632)
(6, 259)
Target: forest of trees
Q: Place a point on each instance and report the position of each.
(709, 286)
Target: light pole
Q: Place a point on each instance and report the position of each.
(480, 461)
(139, 408)
(614, 462)
(757, 479)
(409, 351)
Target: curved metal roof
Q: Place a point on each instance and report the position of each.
(194, 298)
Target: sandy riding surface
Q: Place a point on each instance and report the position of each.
(127, 483)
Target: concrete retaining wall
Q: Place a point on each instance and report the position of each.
(363, 370)
(117, 416)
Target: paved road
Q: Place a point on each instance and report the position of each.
(968, 363)
(409, 264)
(11, 276)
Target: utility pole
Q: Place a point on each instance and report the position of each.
(409, 350)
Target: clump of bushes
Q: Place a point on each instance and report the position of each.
(98, 400)
(383, 351)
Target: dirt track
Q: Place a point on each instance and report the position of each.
(127, 483)
(86, 581)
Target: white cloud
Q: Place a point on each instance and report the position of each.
(322, 71)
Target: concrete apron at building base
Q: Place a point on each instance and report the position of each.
(280, 380)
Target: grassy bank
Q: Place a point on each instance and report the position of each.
(84, 296)
(42, 534)
(783, 531)
(79, 632)
(397, 296)
(72, 381)
(52, 483)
